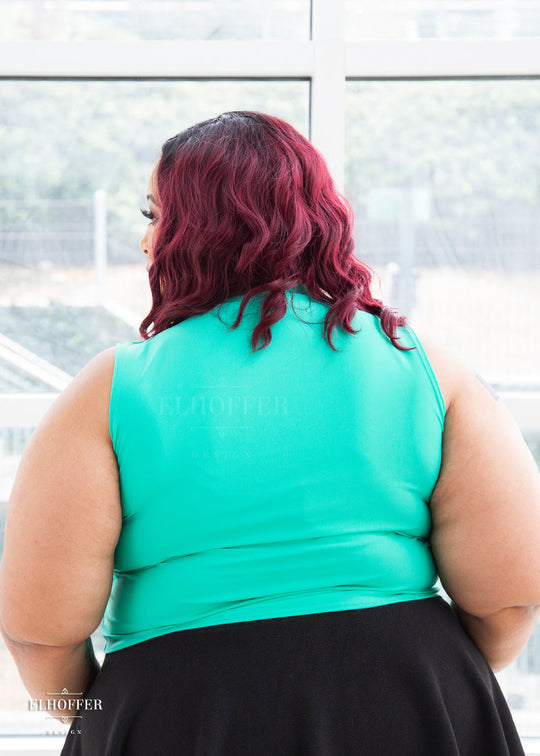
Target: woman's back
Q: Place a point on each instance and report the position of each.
(290, 481)
(273, 577)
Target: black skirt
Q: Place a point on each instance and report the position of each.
(396, 680)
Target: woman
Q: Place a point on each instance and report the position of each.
(275, 476)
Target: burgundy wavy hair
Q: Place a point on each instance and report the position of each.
(247, 207)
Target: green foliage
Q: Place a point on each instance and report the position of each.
(67, 139)
(471, 143)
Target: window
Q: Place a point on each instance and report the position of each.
(427, 112)
(444, 180)
(77, 20)
(443, 176)
(440, 19)
(78, 158)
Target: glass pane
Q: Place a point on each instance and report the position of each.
(77, 157)
(76, 161)
(142, 19)
(444, 179)
(417, 19)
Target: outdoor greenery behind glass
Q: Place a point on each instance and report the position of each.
(444, 179)
(441, 19)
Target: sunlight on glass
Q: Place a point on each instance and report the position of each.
(439, 19)
(444, 177)
(62, 20)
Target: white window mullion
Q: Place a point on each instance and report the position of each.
(26, 410)
(328, 85)
(164, 59)
(432, 58)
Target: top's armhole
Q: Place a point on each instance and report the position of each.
(429, 371)
(113, 401)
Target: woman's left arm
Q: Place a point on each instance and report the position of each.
(63, 524)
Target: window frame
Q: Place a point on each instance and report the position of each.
(328, 60)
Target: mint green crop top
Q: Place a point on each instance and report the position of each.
(292, 481)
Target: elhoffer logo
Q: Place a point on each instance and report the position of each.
(62, 705)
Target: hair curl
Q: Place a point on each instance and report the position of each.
(248, 206)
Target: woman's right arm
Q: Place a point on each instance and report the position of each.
(486, 515)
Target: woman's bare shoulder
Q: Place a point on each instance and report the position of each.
(486, 504)
(85, 401)
(96, 376)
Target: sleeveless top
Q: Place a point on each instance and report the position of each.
(286, 482)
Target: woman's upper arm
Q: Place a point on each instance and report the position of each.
(486, 504)
(64, 518)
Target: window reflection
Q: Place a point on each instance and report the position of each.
(58, 20)
(444, 181)
(441, 19)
